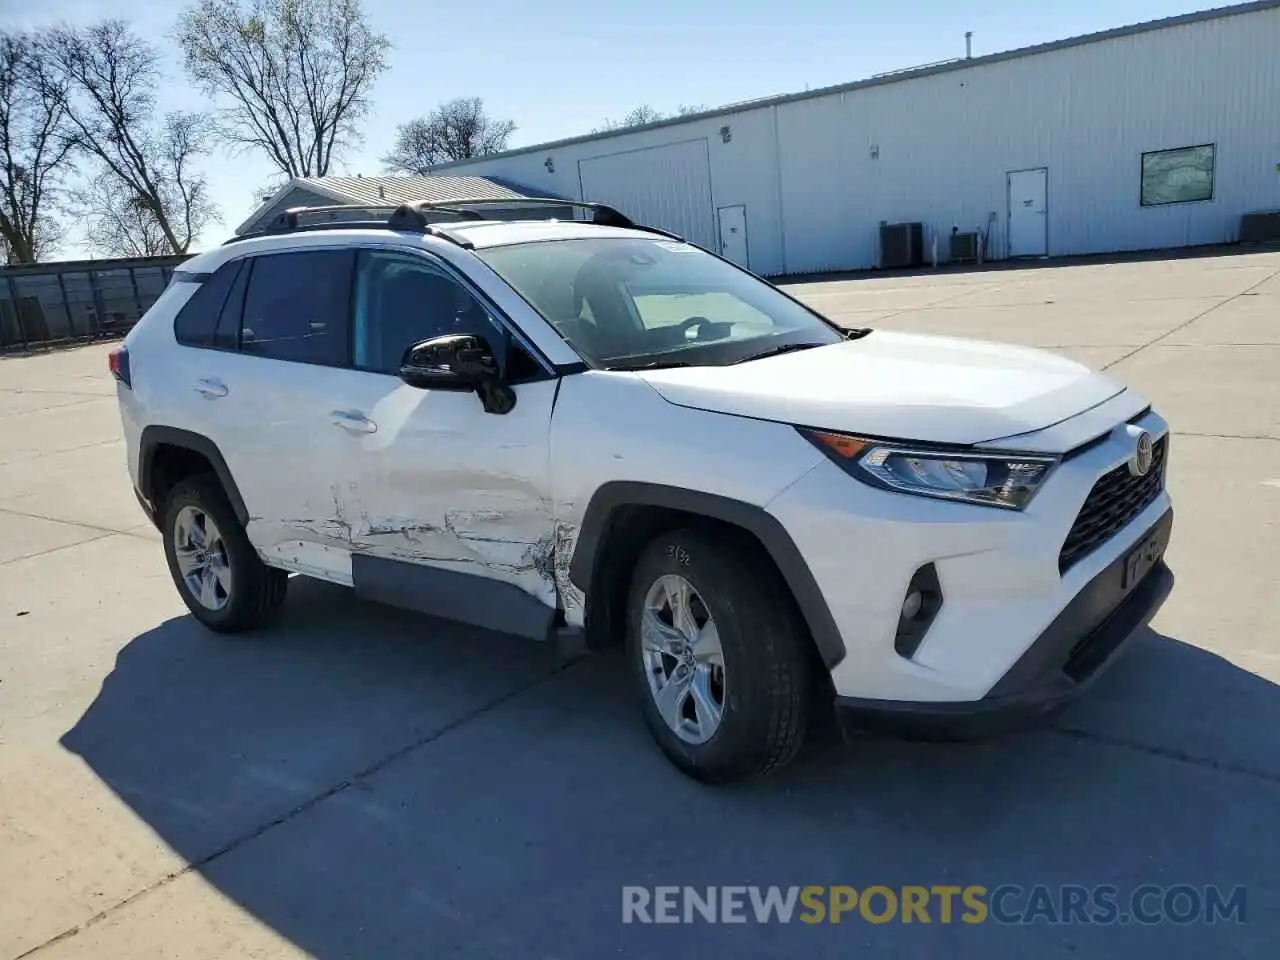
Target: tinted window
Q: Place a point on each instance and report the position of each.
(226, 336)
(296, 307)
(196, 320)
(401, 300)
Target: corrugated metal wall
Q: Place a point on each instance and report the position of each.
(818, 175)
(668, 185)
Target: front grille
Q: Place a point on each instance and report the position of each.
(1115, 499)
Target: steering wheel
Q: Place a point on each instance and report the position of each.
(701, 325)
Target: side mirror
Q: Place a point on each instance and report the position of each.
(458, 362)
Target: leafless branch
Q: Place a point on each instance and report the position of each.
(452, 131)
(637, 117)
(296, 74)
(35, 140)
(111, 76)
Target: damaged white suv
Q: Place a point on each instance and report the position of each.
(590, 431)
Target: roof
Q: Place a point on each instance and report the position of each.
(498, 233)
(409, 189)
(896, 76)
(480, 233)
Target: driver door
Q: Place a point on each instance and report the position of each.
(450, 504)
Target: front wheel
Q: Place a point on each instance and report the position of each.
(719, 656)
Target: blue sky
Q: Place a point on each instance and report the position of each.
(560, 68)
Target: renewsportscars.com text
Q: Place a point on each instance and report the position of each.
(941, 903)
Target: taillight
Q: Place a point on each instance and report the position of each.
(118, 364)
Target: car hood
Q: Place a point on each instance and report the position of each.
(899, 385)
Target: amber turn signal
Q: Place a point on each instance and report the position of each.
(840, 444)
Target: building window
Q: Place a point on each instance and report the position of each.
(1184, 175)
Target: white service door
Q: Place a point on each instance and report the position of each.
(733, 234)
(1029, 213)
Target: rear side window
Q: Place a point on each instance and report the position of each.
(226, 336)
(198, 317)
(297, 307)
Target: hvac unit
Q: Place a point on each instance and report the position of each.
(901, 245)
(964, 247)
(1261, 227)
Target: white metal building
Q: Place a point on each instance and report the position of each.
(1156, 135)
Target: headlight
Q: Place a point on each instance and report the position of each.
(989, 479)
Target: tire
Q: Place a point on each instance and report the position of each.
(766, 672)
(247, 594)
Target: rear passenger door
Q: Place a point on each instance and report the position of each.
(276, 368)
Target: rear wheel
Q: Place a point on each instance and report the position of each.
(223, 582)
(719, 656)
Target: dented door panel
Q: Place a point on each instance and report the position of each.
(440, 482)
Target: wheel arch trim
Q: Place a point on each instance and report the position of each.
(609, 498)
(155, 436)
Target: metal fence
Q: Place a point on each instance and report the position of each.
(50, 303)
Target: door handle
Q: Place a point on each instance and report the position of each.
(211, 388)
(353, 421)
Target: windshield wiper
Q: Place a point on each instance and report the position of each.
(777, 351)
(652, 365)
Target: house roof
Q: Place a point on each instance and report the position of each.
(377, 190)
(894, 76)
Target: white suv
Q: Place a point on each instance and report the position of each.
(591, 431)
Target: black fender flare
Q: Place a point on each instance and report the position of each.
(588, 552)
(155, 436)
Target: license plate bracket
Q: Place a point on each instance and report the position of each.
(1139, 561)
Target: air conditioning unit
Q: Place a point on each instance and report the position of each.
(1260, 227)
(964, 247)
(901, 245)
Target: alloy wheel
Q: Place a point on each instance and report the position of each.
(683, 659)
(202, 558)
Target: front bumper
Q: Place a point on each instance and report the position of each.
(1080, 642)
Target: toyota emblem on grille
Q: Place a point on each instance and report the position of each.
(1143, 456)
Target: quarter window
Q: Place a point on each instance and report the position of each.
(297, 307)
(195, 322)
(1184, 175)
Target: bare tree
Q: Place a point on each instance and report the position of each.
(111, 76)
(35, 140)
(120, 223)
(452, 131)
(117, 224)
(644, 113)
(636, 117)
(297, 74)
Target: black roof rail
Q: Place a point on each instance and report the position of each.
(401, 216)
(601, 213)
(412, 217)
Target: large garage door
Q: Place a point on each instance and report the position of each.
(667, 187)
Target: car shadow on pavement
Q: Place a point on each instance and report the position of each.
(374, 784)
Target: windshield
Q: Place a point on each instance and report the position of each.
(637, 303)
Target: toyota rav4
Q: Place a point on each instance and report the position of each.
(588, 431)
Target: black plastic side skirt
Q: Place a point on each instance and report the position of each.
(465, 597)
